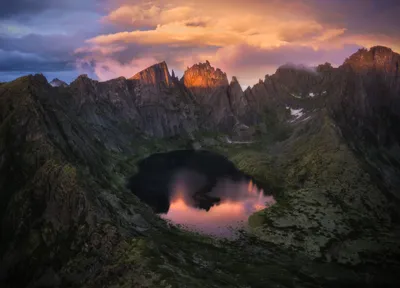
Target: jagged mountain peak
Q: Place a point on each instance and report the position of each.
(295, 68)
(234, 80)
(31, 79)
(378, 56)
(381, 50)
(204, 75)
(58, 83)
(158, 66)
(82, 79)
(38, 77)
(326, 67)
(154, 74)
(209, 87)
(83, 76)
(235, 85)
(206, 66)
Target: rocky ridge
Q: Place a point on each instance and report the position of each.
(67, 219)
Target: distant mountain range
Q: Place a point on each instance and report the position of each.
(326, 142)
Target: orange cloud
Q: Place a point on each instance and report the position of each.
(146, 15)
(206, 25)
(187, 32)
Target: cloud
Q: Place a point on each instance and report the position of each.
(135, 58)
(192, 25)
(109, 69)
(250, 63)
(25, 10)
(38, 54)
(41, 36)
(245, 38)
(23, 7)
(18, 61)
(46, 45)
(145, 15)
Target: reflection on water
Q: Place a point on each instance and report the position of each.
(237, 201)
(198, 189)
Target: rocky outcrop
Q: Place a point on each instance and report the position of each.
(209, 86)
(154, 74)
(378, 57)
(154, 79)
(299, 80)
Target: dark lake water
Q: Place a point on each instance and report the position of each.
(199, 190)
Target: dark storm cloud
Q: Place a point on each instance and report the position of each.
(56, 28)
(29, 8)
(361, 16)
(253, 57)
(37, 53)
(60, 46)
(17, 61)
(23, 7)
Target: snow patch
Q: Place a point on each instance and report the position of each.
(58, 83)
(295, 96)
(229, 141)
(297, 113)
(305, 119)
(311, 94)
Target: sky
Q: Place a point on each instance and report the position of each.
(245, 38)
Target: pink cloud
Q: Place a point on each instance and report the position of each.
(247, 39)
(109, 69)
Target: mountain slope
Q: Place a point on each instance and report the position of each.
(367, 109)
(65, 152)
(67, 219)
(331, 208)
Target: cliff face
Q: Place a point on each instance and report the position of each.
(366, 106)
(154, 75)
(239, 104)
(148, 103)
(209, 86)
(153, 82)
(378, 57)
